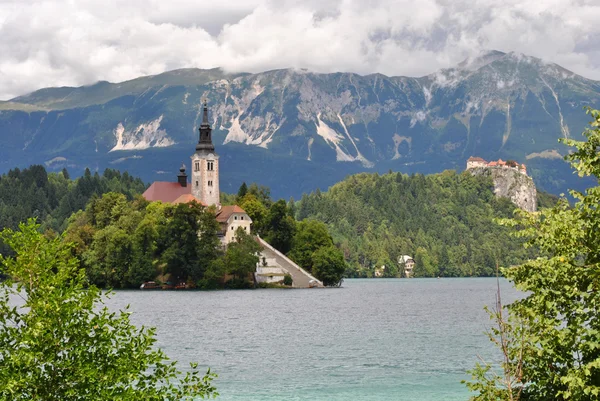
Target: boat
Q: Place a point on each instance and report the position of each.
(149, 285)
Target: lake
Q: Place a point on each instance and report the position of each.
(372, 339)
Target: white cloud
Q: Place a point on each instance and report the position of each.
(64, 42)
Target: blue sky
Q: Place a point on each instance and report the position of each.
(77, 42)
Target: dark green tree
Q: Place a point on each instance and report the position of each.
(242, 191)
(329, 265)
(241, 256)
(310, 235)
(280, 227)
(178, 242)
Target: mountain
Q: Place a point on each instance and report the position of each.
(295, 130)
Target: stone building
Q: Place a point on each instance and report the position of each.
(204, 186)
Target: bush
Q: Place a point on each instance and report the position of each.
(287, 280)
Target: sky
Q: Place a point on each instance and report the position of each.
(47, 43)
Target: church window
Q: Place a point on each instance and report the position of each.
(242, 218)
(197, 166)
(210, 183)
(231, 228)
(210, 166)
(235, 217)
(196, 183)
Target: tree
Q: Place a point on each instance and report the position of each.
(550, 340)
(243, 190)
(61, 343)
(257, 212)
(280, 227)
(241, 256)
(178, 242)
(310, 235)
(328, 265)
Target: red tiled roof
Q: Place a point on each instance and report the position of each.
(187, 198)
(492, 164)
(166, 192)
(476, 159)
(226, 211)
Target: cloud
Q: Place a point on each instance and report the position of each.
(63, 42)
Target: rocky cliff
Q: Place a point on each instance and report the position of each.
(315, 128)
(512, 184)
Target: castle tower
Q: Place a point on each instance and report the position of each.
(205, 166)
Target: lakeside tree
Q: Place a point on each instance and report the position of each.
(328, 265)
(241, 255)
(310, 235)
(59, 342)
(550, 339)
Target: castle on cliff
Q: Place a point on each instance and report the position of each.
(478, 162)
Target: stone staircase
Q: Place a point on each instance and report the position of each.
(301, 278)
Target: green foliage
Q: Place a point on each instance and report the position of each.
(551, 341)
(309, 237)
(52, 198)
(287, 280)
(61, 343)
(241, 256)
(444, 221)
(328, 265)
(257, 212)
(242, 191)
(179, 244)
(280, 227)
(124, 243)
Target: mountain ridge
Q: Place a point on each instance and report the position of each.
(496, 105)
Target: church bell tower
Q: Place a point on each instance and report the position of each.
(205, 166)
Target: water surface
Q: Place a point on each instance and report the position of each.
(377, 339)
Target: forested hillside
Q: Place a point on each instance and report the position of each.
(444, 221)
(53, 197)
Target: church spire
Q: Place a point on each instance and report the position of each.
(205, 114)
(205, 138)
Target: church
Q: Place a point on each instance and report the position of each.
(204, 189)
(204, 186)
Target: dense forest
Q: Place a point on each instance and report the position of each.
(444, 221)
(53, 197)
(122, 240)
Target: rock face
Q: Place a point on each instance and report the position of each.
(512, 184)
(317, 128)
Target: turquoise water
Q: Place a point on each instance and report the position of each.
(372, 339)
